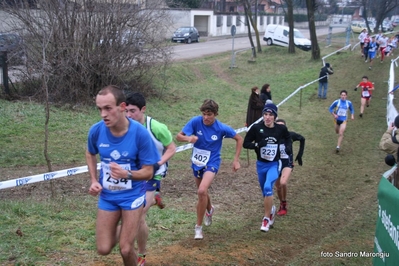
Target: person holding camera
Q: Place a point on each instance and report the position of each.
(366, 90)
(339, 110)
(323, 80)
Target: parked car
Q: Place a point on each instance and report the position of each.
(186, 34)
(395, 22)
(387, 26)
(358, 26)
(278, 34)
(13, 44)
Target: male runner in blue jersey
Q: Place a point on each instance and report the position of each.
(128, 156)
(207, 133)
(339, 110)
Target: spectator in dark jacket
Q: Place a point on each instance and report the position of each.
(265, 93)
(255, 107)
(323, 81)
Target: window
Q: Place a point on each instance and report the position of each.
(285, 33)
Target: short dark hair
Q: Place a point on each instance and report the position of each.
(114, 90)
(281, 120)
(209, 105)
(365, 77)
(137, 99)
(343, 91)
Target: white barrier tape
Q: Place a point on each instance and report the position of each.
(189, 146)
(389, 172)
(44, 177)
(391, 109)
(71, 171)
(343, 48)
(289, 96)
(83, 169)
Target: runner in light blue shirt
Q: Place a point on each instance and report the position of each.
(339, 110)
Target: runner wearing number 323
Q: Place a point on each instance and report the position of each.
(206, 133)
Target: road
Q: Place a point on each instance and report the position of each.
(223, 44)
(212, 45)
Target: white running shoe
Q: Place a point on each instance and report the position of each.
(272, 215)
(265, 224)
(198, 233)
(208, 216)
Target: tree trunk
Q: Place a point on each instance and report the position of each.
(247, 20)
(311, 7)
(290, 15)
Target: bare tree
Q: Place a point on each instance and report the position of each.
(290, 15)
(311, 8)
(252, 19)
(93, 44)
(378, 9)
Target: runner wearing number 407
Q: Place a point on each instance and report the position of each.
(207, 133)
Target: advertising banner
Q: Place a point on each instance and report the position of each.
(386, 240)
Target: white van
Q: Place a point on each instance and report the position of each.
(278, 35)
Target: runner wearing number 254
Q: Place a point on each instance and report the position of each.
(206, 133)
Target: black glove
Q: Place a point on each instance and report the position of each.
(262, 143)
(156, 167)
(299, 159)
(355, 89)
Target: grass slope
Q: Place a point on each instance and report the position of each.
(332, 197)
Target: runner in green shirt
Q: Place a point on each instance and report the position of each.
(163, 140)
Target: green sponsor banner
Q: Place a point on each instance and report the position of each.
(386, 240)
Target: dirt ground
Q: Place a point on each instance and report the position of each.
(297, 238)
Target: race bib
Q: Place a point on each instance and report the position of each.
(366, 93)
(341, 112)
(283, 154)
(269, 152)
(200, 157)
(114, 184)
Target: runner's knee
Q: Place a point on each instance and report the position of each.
(103, 251)
(201, 192)
(126, 251)
(283, 182)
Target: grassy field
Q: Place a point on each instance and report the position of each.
(332, 198)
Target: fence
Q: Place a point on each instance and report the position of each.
(83, 169)
(387, 225)
(393, 174)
